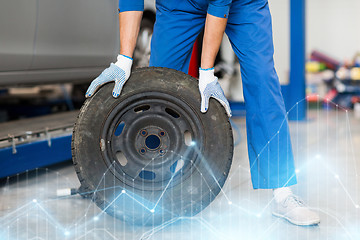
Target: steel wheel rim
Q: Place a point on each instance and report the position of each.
(164, 118)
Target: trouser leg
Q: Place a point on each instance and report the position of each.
(270, 153)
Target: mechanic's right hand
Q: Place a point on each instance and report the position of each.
(118, 72)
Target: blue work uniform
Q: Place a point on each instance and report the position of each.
(249, 28)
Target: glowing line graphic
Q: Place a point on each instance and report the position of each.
(9, 219)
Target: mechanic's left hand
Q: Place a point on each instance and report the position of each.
(209, 87)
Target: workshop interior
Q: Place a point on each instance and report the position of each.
(114, 123)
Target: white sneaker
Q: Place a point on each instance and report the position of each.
(293, 209)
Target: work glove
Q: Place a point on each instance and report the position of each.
(209, 87)
(118, 72)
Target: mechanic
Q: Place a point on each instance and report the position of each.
(248, 25)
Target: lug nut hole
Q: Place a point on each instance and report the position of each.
(142, 150)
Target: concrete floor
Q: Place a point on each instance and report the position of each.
(326, 148)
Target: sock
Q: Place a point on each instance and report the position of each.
(280, 194)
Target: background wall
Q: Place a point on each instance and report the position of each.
(280, 11)
(333, 27)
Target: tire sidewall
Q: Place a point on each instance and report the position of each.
(211, 172)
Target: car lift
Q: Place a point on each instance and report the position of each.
(48, 142)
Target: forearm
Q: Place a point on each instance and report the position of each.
(129, 30)
(214, 31)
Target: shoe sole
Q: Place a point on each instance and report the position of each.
(309, 223)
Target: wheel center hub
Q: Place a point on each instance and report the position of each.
(152, 142)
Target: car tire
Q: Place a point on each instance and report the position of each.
(144, 182)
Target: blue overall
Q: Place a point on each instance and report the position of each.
(249, 28)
